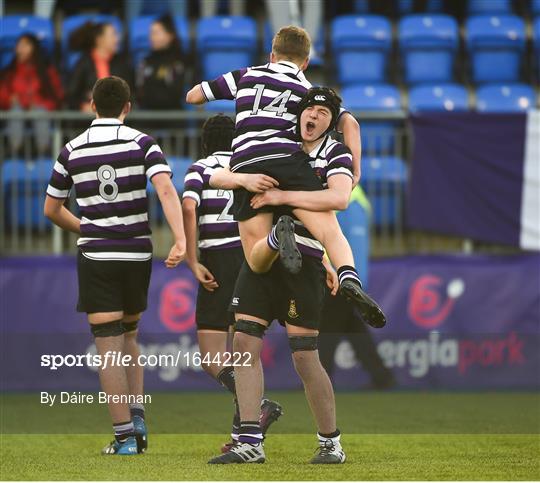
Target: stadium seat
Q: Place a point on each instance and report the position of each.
(24, 186)
(438, 97)
(428, 44)
(505, 98)
(535, 7)
(495, 45)
(384, 179)
(139, 30)
(360, 45)
(222, 105)
(72, 23)
(225, 44)
(536, 40)
(361, 6)
(13, 26)
(319, 44)
(378, 137)
(489, 7)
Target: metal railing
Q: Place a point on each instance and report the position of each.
(25, 172)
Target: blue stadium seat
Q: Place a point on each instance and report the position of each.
(378, 137)
(222, 105)
(319, 44)
(139, 30)
(360, 45)
(438, 97)
(535, 7)
(24, 191)
(13, 26)
(384, 180)
(428, 44)
(361, 6)
(489, 7)
(495, 45)
(505, 98)
(72, 23)
(225, 44)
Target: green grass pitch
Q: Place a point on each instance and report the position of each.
(387, 436)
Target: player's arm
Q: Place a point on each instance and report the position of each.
(225, 179)
(224, 87)
(336, 197)
(57, 192)
(168, 197)
(350, 128)
(55, 211)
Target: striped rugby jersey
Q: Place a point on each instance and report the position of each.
(328, 158)
(108, 165)
(217, 228)
(267, 98)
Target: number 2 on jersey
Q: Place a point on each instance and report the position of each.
(278, 105)
(224, 215)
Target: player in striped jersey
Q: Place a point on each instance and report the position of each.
(108, 165)
(267, 102)
(221, 256)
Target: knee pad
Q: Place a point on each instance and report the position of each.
(109, 329)
(250, 328)
(130, 326)
(303, 343)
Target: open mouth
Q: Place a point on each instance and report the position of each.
(310, 127)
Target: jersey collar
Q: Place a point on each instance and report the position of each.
(107, 121)
(316, 151)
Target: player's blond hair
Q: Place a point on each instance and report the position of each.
(291, 43)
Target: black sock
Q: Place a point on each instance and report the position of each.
(226, 378)
(347, 272)
(335, 434)
(250, 432)
(136, 409)
(123, 431)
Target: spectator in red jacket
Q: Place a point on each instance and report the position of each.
(29, 83)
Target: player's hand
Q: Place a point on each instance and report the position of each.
(258, 183)
(176, 254)
(205, 277)
(332, 281)
(272, 197)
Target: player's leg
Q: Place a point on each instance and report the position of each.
(108, 333)
(325, 228)
(135, 377)
(254, 230)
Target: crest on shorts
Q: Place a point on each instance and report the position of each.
(293, 314)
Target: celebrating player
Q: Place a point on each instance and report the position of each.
(295, 300)
(267, 100)
(220, 259)
(108, 165)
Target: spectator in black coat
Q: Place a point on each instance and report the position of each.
(98, 43)
(160, 75)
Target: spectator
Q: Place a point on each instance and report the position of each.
(160, 76)
(98, 43)
(29, 82)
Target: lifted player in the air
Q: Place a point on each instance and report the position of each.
(206, 214)
(109, 165)
(267, 99)
(295, 300)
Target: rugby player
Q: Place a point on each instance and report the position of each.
(267, 100)
(108, 165)
(295, 300)
(206, 211)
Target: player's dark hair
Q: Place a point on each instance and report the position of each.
(84, 38)
(217, 134)
(320, 96)
(110, 95)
